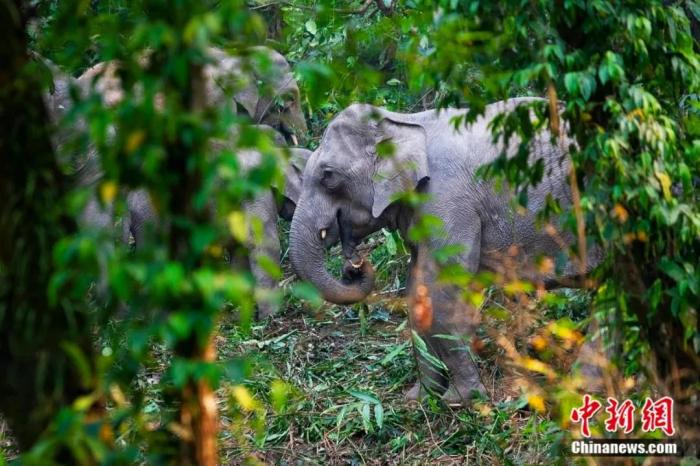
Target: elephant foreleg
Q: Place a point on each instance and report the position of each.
(453, 329)
(446, 324)
(264, 249)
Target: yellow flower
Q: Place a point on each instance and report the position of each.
(244, 399)
(665, 184)
(108, 191)
(539, 343)
(536, 402)
(135, 140)
(238, 226)
(620, 213)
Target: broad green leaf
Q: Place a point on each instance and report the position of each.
(311, 27)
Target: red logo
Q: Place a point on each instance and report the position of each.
(658, 415)
(621, 416)
(585, 413)
(655, 415)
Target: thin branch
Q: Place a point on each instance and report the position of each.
(265, 5)
(580, 222)
(343, 11)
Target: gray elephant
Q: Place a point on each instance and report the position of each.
(265, 207)
(260, 85)
(367, 157)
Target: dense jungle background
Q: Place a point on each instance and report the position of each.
(117, 354)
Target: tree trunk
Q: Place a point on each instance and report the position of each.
(198, 409)
(38, 375)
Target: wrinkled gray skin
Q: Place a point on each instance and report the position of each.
(266, 89)
(58, 103)
(348, 193)
(265, 207)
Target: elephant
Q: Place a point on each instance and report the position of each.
(351, 187)
(265, 207)
(260, 86)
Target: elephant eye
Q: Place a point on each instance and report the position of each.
(329, 179)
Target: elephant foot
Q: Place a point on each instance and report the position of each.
(462, 394)
(594, 379)
(417, 393)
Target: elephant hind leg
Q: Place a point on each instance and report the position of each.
(456, 321)
(445, 367)
(264, 249)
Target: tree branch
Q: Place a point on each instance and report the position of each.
(342, 11)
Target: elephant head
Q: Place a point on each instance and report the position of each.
(262, 85)
(367, 157)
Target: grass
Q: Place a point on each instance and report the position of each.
(326, 385)
(346, 403)
(344, 371)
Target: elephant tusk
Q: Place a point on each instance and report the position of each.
(295, 140)
(323, 234)
(358, 265)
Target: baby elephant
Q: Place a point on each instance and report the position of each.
(265, 208)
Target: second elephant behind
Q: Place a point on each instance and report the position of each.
(265, 207)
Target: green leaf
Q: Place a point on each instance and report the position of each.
(393, 353)
(366, 419)
(180, 323)
(307, 292)
(571, 83)
(364, 396)
(310, 26)
(672, 269)
(379, 415)
(389, 242)
(587, 85)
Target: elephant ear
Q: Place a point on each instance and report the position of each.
(402, 161)
(248, 98)
(293, 177)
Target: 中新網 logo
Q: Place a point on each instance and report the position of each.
(655, 415)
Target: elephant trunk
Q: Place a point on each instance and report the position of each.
(307, 255)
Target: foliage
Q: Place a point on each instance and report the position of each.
(620, 78)
(623, 73)
(46, 358)
(156, 137)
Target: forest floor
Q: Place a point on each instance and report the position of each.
(345, 371)
(329, 384)
(325, 385)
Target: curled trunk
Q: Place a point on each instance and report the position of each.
(307, 254)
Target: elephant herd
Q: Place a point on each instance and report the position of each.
(352, 185)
